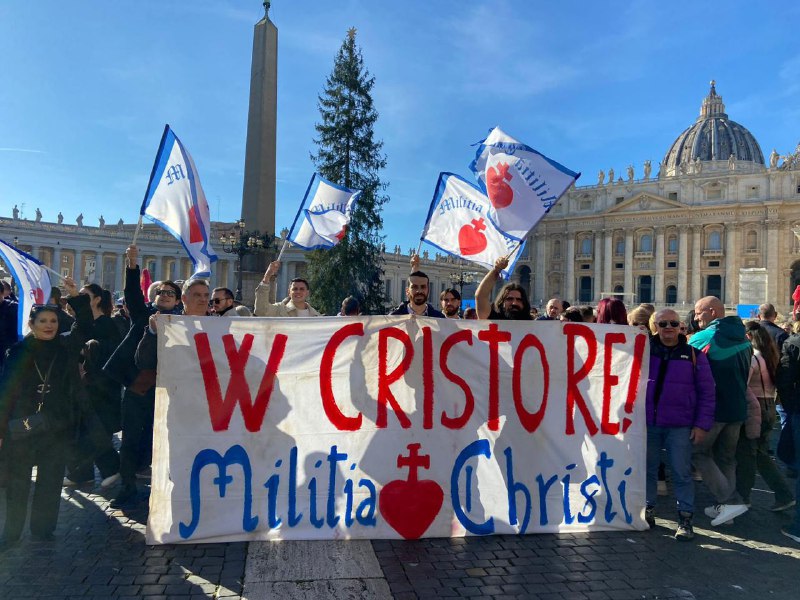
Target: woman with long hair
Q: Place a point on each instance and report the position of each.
(612, 311)
(101, 417)
(40, 391)
(753, 454)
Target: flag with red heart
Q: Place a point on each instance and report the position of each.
(460, 223)
(522, 184)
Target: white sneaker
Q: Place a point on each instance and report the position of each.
(110, 480)
(712, 512)
(728, 512)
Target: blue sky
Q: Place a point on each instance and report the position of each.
(86, 88)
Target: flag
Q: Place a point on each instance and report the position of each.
(522, 184)
(32, 280)
(175, 200)
(323, 215)
(458, 224)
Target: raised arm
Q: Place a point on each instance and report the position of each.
(134, 298)
(483, 295)
(262, 306)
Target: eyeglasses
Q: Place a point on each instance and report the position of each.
(170, 293)
(219, 300)
(663, 324)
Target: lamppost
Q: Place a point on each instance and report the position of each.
(459, 278)
(241, 243)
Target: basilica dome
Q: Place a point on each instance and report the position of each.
(713, 137)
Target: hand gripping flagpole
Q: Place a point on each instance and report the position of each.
(136, 232)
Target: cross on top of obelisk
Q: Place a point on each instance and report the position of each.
(266, 6)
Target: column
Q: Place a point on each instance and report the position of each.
(77, 271)
(697, 257)
(569, 288)
(597, 257)
(773, 266)
(731, 260)
(541, 274)
(658, 286)
(56, 266)
(35, 251)
(629, 266)
(120, 276)
(683, 262)
(608, 257)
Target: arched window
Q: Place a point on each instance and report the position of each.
(646, 243)
(585, 289)
(672, 294)
(752, 240)
(618, 291)
(586, 245)
(714, 240)
(672, 245)
(619, 246)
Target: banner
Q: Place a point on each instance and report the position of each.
(175, 201)
(32, 279)
(395, 427)
(459, 223)
(522, 184)
(325, 210)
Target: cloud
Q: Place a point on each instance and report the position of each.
(27, 150)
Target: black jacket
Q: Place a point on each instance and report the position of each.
(787, 380)
(403, 310)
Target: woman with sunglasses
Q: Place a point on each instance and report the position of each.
(752, 454)
(680, 410)
(40, 392)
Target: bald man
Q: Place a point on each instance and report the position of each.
(722, 339)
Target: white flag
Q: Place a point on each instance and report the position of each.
(175, 200)
(459, 224)
(324, 214)
(522, 184)
(32, 279)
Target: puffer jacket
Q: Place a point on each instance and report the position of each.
(680, 387)
(787, 380)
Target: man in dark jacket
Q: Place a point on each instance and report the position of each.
(417, 290)
(788, 383)
(729, 352)
(138, 401)
(767, 315)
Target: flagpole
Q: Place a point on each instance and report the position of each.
(56, 273)
(285, 243)
(136, 232)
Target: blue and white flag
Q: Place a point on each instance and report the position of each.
(458, 223)
(33, 282)
(324, 214)
(175, 200)
(522, 184)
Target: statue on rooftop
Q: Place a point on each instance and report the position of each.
(60, 218)
(773, 159)
(647, 169)
(15, 212)
(611, 176)
(601, 177)
(38, 216)
(630, 172)
(102, 222)
(79, 220)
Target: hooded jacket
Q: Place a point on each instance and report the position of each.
(680, 387)
(729, 353)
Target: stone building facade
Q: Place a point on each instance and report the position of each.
(715, 220)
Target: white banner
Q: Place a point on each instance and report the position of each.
(395, 427)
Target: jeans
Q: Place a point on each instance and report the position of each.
(715, 458)
(137, 423)
(679, 457)
(752, 456)
(795, 424)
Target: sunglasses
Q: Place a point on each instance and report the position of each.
(219, 300)
(166, 293)
(663, 324)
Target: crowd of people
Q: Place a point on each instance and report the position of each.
(718, 388)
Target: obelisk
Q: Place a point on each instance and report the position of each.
(258, 196)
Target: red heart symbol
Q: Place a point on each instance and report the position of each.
(470, 239)
(500, 193)
(195, 235)
(411, 506)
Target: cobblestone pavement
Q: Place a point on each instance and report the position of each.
(100, 553)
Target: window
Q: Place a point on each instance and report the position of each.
(585, 289)
(619, 265)
(586, 267)
(646, 243)
(713, 263)
(618, 291)
(714, 193)
(672, 245)
(65, 272)
(714, 241)
(389, 289)
(672, 264)
(619, 246)
(65, 260)
(752, 240)
(673, 195)
(619, 199)
(752, 192)
(714, 286)
(672, 294)
(586, 246)
(645, 288)
(557, 249)
(586, 205)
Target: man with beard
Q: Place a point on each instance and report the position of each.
(417, 295)
(450, 301)
(511, 303)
